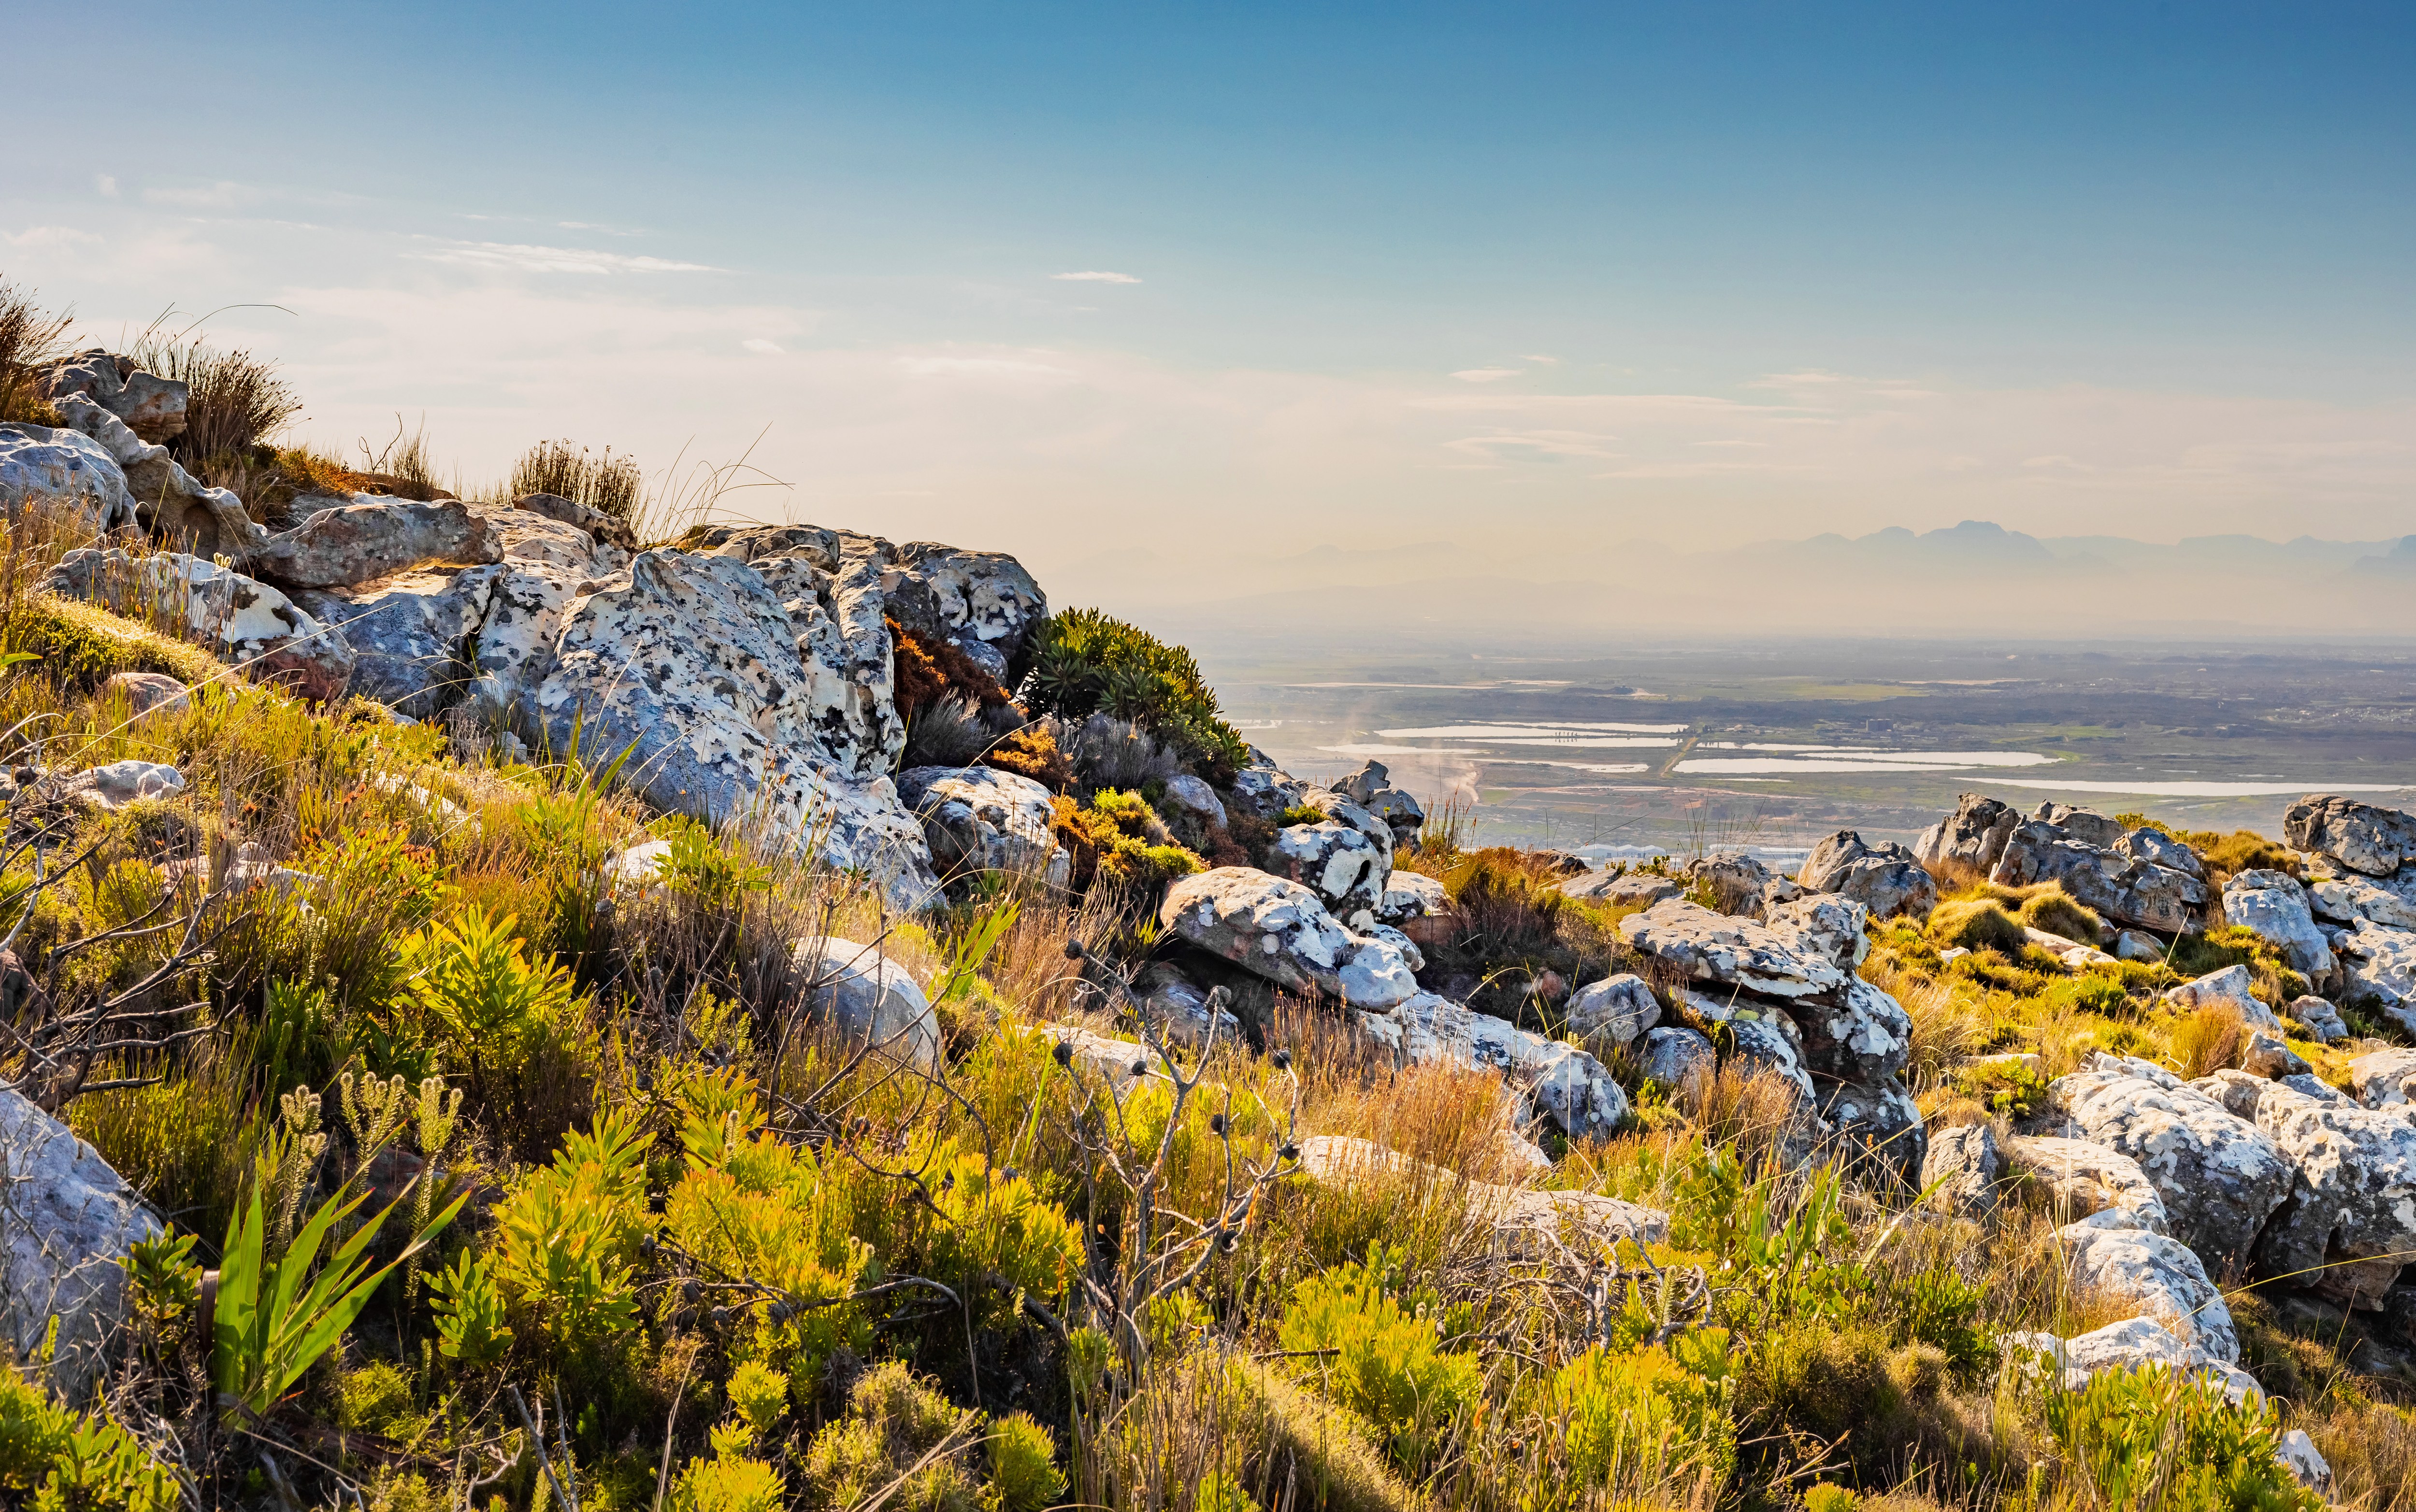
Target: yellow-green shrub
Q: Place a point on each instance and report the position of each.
(2057, 912)
(1642, 1417)
(1384, 1363)
(568, 1233)
(1977, 924)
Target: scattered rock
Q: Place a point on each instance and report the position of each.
(1517, 1215)
(121, 783)
(2384, 1078)
(2123, 887)
(1264, 790)
(641, 865)
(242, 620)
(1280, 930)
(2267, 1056)
(152, 407)
(1766, 1038)
(2220, 1176)
(1962, 1169)
(2086, 1181)
(2158, 1275)
(2134, 1344)
(1194, 796)
(2087, 825)
(66, 1220)
(1974, 833)
(1411, 895)
(2352, 900)
(1371, 788)
(1887, 879)
(2161, 849)
(1735, 952)
(149, 693)
(1339, 864)
(601, 528)
(1611, 1013)
(2275, 905)
(869, 997)
(1564, 1084)
(2228, 987)
(343, 547)
(2130, 945)
(2378, 966)
(1623, 889)
(2360, 836)
(173, 505)
(2351, 1205)
(1675, 1054)
(982, 819)
(1741, 884)
(1181, 1010)
(411, 636)
(1882, 1119)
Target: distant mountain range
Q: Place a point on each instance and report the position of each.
(1977, 579)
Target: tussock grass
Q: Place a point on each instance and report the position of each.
(608, 483)
(30, 337)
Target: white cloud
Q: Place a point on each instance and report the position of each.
(1009, 367)
(35, 238)
(1094, 277)
(521, 258)
(1486, 375)
(1539, 357)
(770, 348)
(106, 184)
(1537, 443)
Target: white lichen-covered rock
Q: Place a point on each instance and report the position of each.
(341, 548)
(120, 783)
(514, 650)
(684, 663)
(1618, 888)
(601, 528)
(2304, 1461)
(2090, 1182)
(148, 693)
(1371, 788)
(1562, 1083)
(412, 635)
(1194, 796)
(1962, 1169)
(1411, 895)
(2226, 988)
(2319, 1017)
(1264, 790)
(2156, 847)
(2159, 1276)
(1880, 1118)
(1338, 862)
(2351, 900)
(1738, 952)
(981, 602)
(2378, 968)
(64, 475)
(2352, 1217)
(1280, 930)
(982, 819)
(1612, 1014)
(2220, 1175)
(1398, 941)
(1766, 1040)
(2121, 887)
(1828, 922)
(1859, 1035)
(1973, 834)
(2087, 825)
(1516, 1214)
(1887, 878)
(173, 505)
(867, 997)
(2138, 1344)
(2267, 1054)
(829, 584)
(2275, 905)
(1183, 1011)
(1738, 881)
(2360, 836)
(2131, 945)
(1674, 1055)
(242, 620)
(66, 1220)
(2385, 1079)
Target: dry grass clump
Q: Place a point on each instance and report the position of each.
(2054, 910)
(235, 402)
(30, 339)
(610, 484)
(1977, 924)
(2206, 1041)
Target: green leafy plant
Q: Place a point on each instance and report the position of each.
(1650, 1412)
(2152, 1437)
(1083, 661)
(1378, 1357)
(470, 1315)
(1023, 1473)
(275, 1318)
(569, 1232)
(476, 984)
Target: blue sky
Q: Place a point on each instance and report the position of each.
(1550, 275)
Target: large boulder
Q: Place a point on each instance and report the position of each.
(154, 407)
(982, 819)
(1886, 879)
(2220, 1175)
(2159, 1276)
(1829, 922)
(2087, 825)
(1371, 787)
(513, 656)
(173, 505)
(1765, 1039)
(1411, 895)
(2274, 904)
(2228, 988)
(66, 1220)
(1962, 1169)
(867, 997)
(1880, 1119)
(1674, 1055)
(1860, 1034)
(1974, 834)
(2123, 887)
(1738, 882)
(828, 582)
(1340, 863)
(1280, 931)
(685, 663)
(2385, 1079)
(1516, 1215)
(600, 527)
(2156, 846)
(2351, 1221)
(340, 548)
(1264, 790)
(2378, 968)
(2089, 1182)
(1623, 889)
(2352, 900)
(983, 603)
(2360, 836)
(242, 620)
(1562, 1083)
(2138, 1344)
(412, 635)
(1735, 953)
(64, 475)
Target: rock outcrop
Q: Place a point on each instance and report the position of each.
(1732, 952)
(62, 473)
(2277, 907)
(66, 1220)
(2371, 840)
(1888, 879)
(982, 819)
(241, 620)
(1563, 1083)
(1280, 931)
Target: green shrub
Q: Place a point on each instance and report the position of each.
(1085, 661)
(1023, 1473)
(373, 1396)
(2151, 1436)
(1977, 924)
(1119, 840)
(567, 1235)
(468, 1312)
(1386, 1363)
(1649, 1416)
(894, 1421)
(79, 645)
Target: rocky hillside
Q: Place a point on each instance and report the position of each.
(503, 1010)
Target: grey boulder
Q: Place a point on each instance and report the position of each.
(1962, 1169)
(2352, 1217)
(341, 548)
(1338, 862)
(1861, 1034)
(1974, 834)
(2159, 848)
(64, 475)
(2087, 825)
(2123, 887)
(1280, 931)
(173, 505)
(1733, 951)
(1640, 890)
(66, 1220)
(1886, 879)
(1611, 1013)
(152, 407)
(982, 819)
(2319, 1018)
(2226, 988)
(2352, 900)
(2089, 1182)
(1411, 895)
(1563, 1083)
(1828, 922)
(984, 602)
(1741, 883)
(1675, 1055)
(869, 998)
(2159, 1276)
(1194, 796)
(2273, 905)
(2378, 968)
(241, 620)
(412, 635)
(2360, 836)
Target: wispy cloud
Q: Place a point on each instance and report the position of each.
(223, 195)
(1537, 356)
(1487, 375)
(60, 237)
(769, 349)
(106, 184)
(1537, 444)
(1094, 276)
(521, 258)
(1006, 367)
